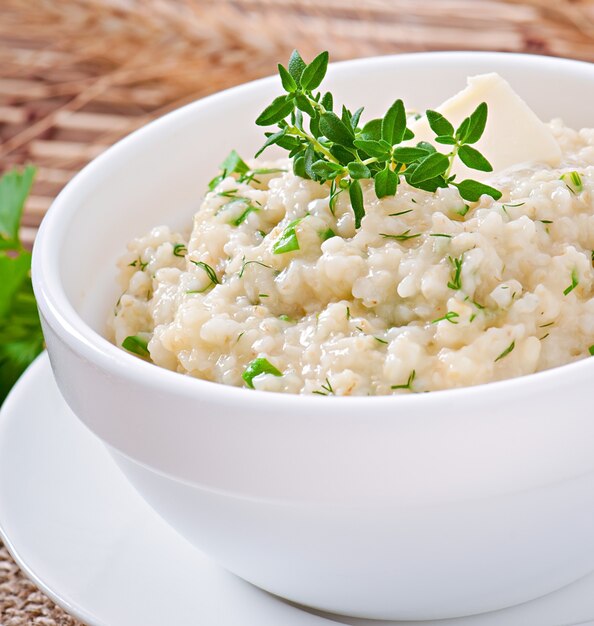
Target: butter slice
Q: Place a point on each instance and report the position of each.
(513, 134)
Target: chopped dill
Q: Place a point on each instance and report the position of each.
(405, 236)
(450, 316)
(408, 384)
(575, 281)
(326, 390)
(509, 348)
(455, 282)
(400, 213)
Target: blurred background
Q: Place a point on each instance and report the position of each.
(76, 75)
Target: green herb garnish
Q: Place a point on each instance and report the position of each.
(326, 390)
(575, 281)
(455, 282)
(591, 350)
(408, 384)
(509, 348)
(339, 149)
(20, 332)
(327, 234)
(380, 340)
(250, 176)
(250, 206)
(246, 263)
(400, 213)
(450, 316)
(138, 263)
(288, 241)
(180, 250)
(212, 275)
(233, 164)
(573, 182)
(137, 344)
(257, 367)
(405, 236)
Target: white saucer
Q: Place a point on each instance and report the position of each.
(84, 536)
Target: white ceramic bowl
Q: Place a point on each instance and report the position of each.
(412, 507)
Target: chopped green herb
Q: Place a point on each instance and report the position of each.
(573, 182)
(212, 275)
(575, 281)
(472, 317)
(440, 235)
(450, 316)
(284, 318)
(250, 176)
(402, 236)
(179, 249)
(327, 234)
(591, 350)
(546, 325)
(288, 241)
(400, 213)
(545, 336)
(509, 348)
(249, 206)
(138, 263)
(137, 344)
(246, 263)
(455, 282)
(327, 389)
(263, 295)
(408, 384)
(255, 368)
(348, 313)
(335, 191)
(545, 221)
(233, 164)
(463, 211)
(243, 216)
(381, 340)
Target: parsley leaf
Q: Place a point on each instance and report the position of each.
(257, 367)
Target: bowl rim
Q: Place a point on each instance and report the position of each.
(71, 329)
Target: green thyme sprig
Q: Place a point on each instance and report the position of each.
(328, 147)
